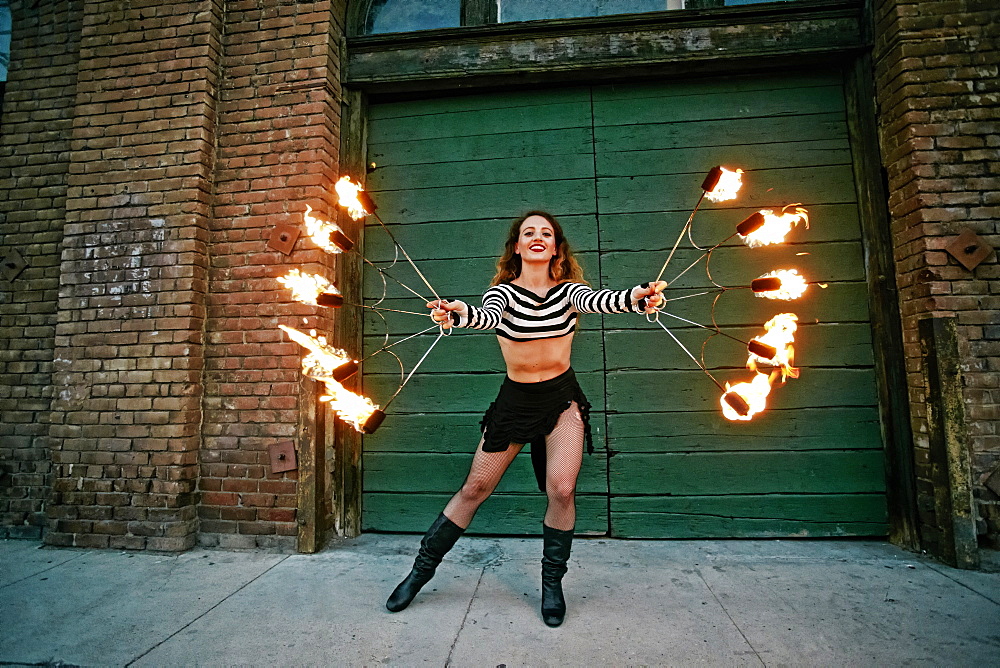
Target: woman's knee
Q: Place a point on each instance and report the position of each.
(475, 491)
(561, 491)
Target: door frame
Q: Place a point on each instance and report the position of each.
(827, 33)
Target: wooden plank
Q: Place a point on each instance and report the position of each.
(401, 324)
(840, 302)
(445, 432)
(345, 493)
(482, 238)
(472, 353)
(749, 516)
(738, 265)
(948, 443)
(658, 231)
(765, 188)
(670, 391)
(845, 302)
(445, 473)
(463, 393)
(635, 161)
(465, 101)
(501, 144)
(616, 46)
(501, 200)
(501, 514)
(722, 133)
(719, 105)
(706, 431)
(763, 472)
(450, 277)
(816, 345)
(484, 170)
(890, 361)
(789, 83)
(571, 114)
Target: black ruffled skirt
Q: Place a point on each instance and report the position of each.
(528, 412)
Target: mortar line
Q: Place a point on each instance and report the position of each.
(45, 570)
(227, 597)
(963, 584)
(451, 650)
(737, 626)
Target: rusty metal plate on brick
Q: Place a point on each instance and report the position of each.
(969, 249)
(12, 265)
(283, 238)
(282, 456)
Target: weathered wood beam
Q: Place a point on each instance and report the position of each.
(346, 472)
(887, 329)
(684, 41)
(951, 471)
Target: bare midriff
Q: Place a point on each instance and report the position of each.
(537, 360)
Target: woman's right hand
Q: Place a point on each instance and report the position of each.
(441, 311)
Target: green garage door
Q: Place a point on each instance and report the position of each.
(620, 165)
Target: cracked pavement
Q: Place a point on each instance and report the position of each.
(766, 602)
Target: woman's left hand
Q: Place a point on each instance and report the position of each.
(651, 292)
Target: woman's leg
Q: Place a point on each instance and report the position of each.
(564, 456)
(484, 476)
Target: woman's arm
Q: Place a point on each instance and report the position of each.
(640, 299)
(457, 313)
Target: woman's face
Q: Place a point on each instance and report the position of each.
(536, 242)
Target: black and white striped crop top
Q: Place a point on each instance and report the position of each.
(520, 315)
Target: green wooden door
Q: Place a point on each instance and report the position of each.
(620, 165)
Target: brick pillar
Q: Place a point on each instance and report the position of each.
(34, 147)
(279, 125)
(937, 67)
(129, 350)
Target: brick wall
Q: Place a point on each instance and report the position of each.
(278, 151)
(937, 65)
(129, 339)
(34, 148)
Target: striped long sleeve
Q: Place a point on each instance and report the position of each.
(520, 315)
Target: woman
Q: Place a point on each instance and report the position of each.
(533, 304)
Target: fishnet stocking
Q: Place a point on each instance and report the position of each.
(564, 455)
(484, 476)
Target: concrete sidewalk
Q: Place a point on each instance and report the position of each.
(815, 603)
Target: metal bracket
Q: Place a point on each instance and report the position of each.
(282, 456)
(283, 238)
(969, 249)
(12, 265)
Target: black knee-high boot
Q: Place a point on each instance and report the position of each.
(555, 554)
(440, 538)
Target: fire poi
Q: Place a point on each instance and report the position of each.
(770, 355)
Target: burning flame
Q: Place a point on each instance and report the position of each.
(754, 393)
(323, 232)
(320, 364)
(348, 191)
(354, 409)
(727, 187)
(780, 334)
(776, 226)
(793, 285)
(306, 287)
